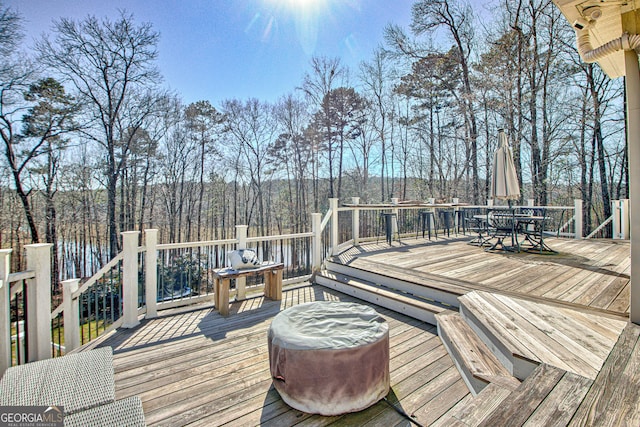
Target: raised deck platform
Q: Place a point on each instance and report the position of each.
(199, 367)
(587, 273)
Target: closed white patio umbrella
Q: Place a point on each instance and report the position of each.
(504, 180)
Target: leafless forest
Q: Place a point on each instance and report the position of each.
(94, 144)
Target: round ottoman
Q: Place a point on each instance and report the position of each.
(329, 358)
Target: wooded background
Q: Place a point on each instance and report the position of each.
(94, 144)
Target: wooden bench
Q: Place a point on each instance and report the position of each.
(222, 280)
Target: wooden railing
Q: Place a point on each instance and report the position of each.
(139, 280)
(146, 279)
(619, 221)
(356, 223)
(34, 286)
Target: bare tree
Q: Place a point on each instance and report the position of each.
(204, 123)
(376, 79)
(294, 151)
(15, 77)
(110, 63)
(456, 17)
(326, 75)
(253, 127)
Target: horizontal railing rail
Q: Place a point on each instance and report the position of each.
(152, 277)
(195, 244)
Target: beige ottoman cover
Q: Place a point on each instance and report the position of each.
(329, 358)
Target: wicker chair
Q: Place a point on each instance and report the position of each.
(82, 383)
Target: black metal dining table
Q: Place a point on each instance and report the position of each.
(535, 238)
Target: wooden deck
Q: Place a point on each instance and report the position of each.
(195, 367)
(588, 273)
(571, 339)
(199, 368)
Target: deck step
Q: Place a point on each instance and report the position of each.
(377, 293)
(488, 324)
(430, 286)
(475, 361)
(524, 333)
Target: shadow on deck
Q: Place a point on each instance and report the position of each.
(194, 367)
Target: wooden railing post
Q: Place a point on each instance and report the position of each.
(355, 221)
(620, 213)
(71, 313)
(316, 243)
(130, 278)
(577, 214)
(241, 282)
(394, 221)
(624, 219)
(5, 317)
(615, 219)
(39, 301)
(456, 215)
(151, 272)
(632, 86)
(333, 205)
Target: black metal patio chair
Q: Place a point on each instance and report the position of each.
(533, 230)
(502, 225)
(474, 222)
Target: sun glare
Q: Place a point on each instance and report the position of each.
(301, 6)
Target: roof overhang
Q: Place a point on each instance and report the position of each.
(609, 24)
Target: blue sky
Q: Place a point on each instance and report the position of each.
(221, 49)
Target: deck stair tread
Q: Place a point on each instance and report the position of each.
(456, 286)
(539, 333)
(453, 286)
(592, 276)
(475, 359)
(405, 298)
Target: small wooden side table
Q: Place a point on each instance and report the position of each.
(222, 280)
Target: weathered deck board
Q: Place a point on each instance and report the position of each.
(589, 273)
(566, 324)
(560, 336)
(192, 366)
(570, 391)
(614, 398)
(475, 410)
(199, 368)
(519, 405)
